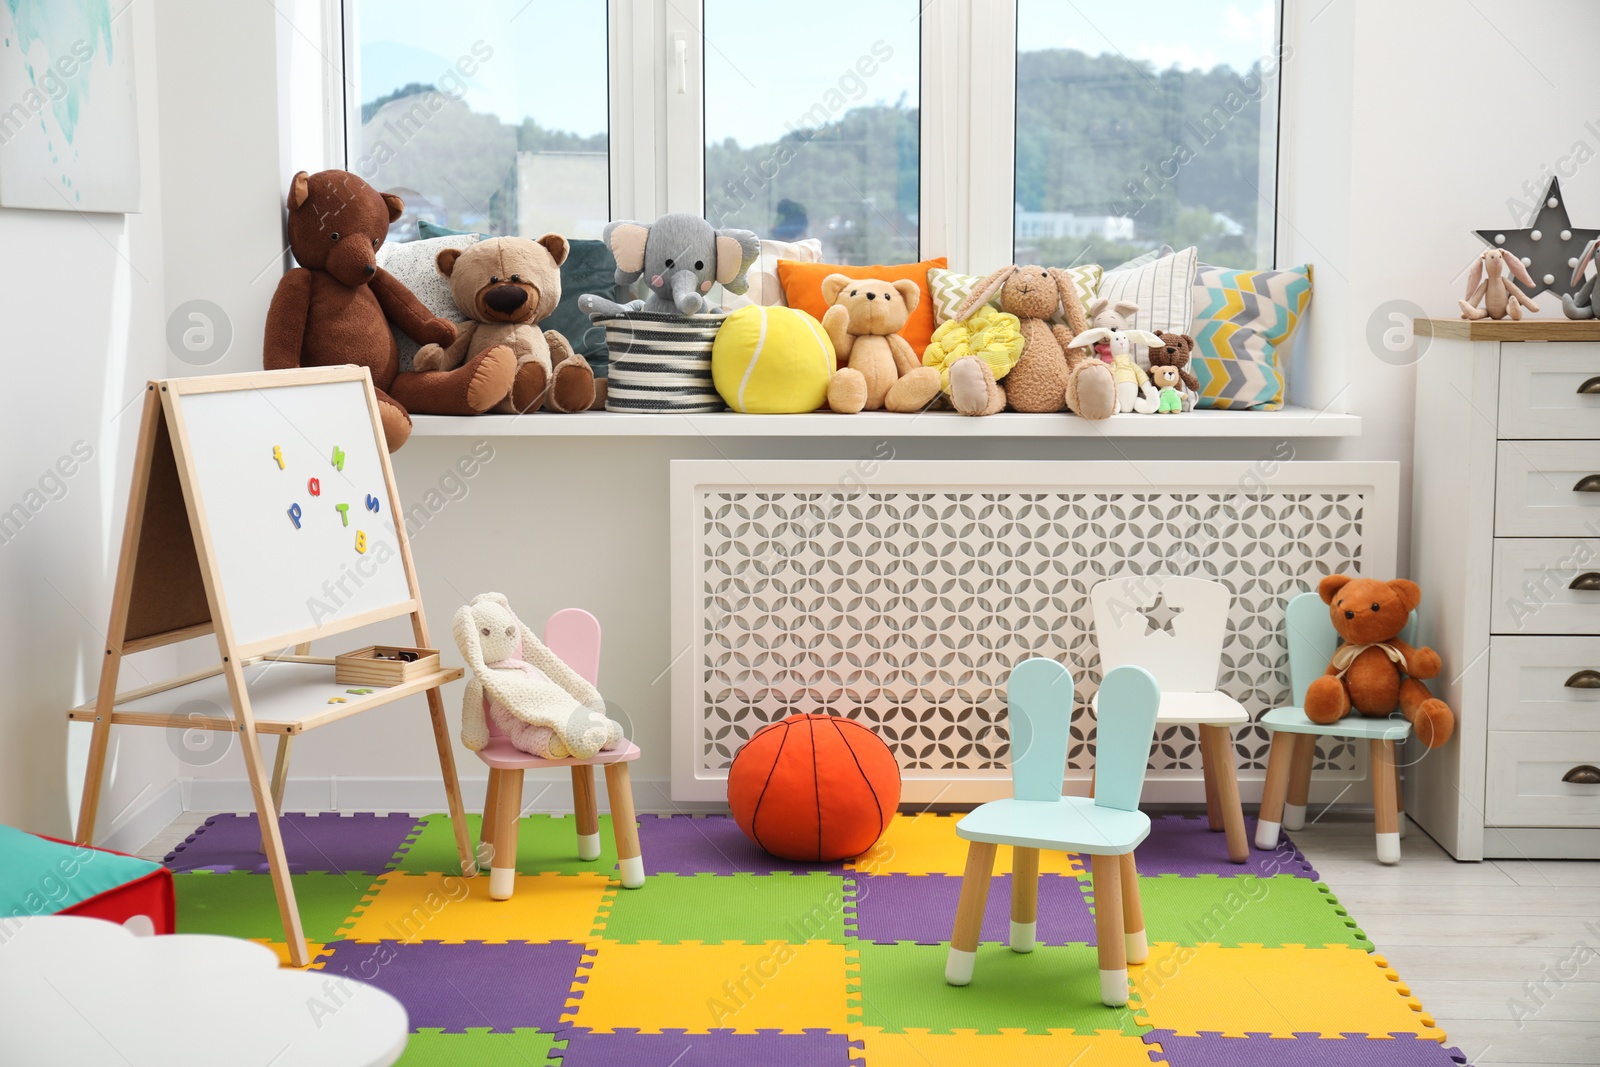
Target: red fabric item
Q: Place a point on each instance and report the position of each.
(151, 895)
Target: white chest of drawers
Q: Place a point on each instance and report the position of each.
(1506, 545)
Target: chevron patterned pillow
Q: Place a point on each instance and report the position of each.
(950, 288)
(1242, 320)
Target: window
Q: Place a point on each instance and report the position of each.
(811, 123)
(1146, 124)
(489, 116)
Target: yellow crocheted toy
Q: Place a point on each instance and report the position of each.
(991, 336)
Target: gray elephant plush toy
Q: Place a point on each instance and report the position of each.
(1580, 305)
(682, 256)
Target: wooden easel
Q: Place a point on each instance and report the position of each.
(169, 589)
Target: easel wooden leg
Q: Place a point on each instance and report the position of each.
(624, 825)
(586, 812)
(508, 811)
(1385, 811)
(99, 741)
(1024, 898)
(1273, 790)
(1305, 754)
(280, 778)
(1208, 760)
(267, 813)
(447, 767)
(486, 825)
(1109, 931)
(1222, 760)
(969, 913)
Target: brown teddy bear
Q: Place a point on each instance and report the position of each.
(1176, 351)
(877, 368)
(505, 286)
(1374, 671)
(336, 306)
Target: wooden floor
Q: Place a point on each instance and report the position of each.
(1473, 940)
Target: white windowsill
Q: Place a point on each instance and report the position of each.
(1290, 422)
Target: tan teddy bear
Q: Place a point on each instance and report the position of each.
(877, 368)
(505, 287)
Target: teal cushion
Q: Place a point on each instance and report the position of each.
(42, 877)
(590, 268)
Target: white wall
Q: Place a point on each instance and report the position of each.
(85, 320)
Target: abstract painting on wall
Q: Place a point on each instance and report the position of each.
(69, 123)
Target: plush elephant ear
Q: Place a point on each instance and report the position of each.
(1329, 587)
(627, 239)
(737, 251)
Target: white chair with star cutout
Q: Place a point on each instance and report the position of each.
(1173, 627)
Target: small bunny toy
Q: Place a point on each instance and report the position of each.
(1488, 283)
(543, 706)
(1129, 376)
(1580, 305)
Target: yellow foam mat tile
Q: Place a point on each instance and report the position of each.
(927, 844)
(918, 1048)
(281, 949)
(697, 987)
(443, 907)
(1332, 991)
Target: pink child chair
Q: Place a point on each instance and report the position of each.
(574, 636)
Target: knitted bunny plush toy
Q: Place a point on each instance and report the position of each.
(543, 706)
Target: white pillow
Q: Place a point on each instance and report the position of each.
(763, 275)
(1163, 289)
(411, 262)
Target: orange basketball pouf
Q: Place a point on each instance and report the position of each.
(814, 788)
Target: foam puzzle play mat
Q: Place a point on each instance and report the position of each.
(728, 956)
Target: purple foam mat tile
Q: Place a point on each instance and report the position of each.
(362, 843)
(719, 1048)
(1305, 1050)
(922, 907)
(1186, 845)
(453, 987)
(709, 844)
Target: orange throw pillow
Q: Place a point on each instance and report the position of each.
(802, 288)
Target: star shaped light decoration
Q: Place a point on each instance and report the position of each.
(1549, 246)
(1159, 616)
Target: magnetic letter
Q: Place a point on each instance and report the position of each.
(315, 486)
(294, 515)
(344, 513)
(361, 540)
(372, 503)
(338, 458)
(277, 454)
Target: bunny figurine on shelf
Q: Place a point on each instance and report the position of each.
(1580, 305)
(1130, 378)
(1488, 283)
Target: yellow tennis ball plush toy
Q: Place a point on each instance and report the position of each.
(772, 361)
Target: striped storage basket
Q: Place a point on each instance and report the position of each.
(661, 363)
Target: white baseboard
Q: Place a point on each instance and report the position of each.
(138, 826)
(540, 793)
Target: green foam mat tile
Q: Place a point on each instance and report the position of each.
(714, 908)
(546, 844)
(1245, 910)
(902, 988)
(520, 1048)
(239, 904)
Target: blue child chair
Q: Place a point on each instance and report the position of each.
(1107, 828)
(1312, 641)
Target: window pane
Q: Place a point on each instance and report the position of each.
(478, 119)
(811, 123)
(1146, 124)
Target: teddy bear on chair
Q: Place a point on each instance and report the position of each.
(1373, 671)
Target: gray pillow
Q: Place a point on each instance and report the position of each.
(411, 262)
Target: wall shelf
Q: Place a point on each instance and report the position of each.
(1510, 330)
(1221, 424)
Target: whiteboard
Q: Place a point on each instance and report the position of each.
(288, 558)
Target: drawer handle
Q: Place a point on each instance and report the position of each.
(1590, 386)
(1589, 483)
(1587, 582)
(1583, 774)
(1584, 679)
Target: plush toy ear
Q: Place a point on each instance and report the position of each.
(1142, 337)
(1583, 261)
(911, 293)
(832, 286)
(736, 254)
(466, 628)
(1067, 290)
(627, 242)
(445, 261)
(1475, 275)
(984, 292)
(557, 246)
(1329, 587)
(1518, 270)
(1410, 593)
(1127, 309)
(1089, 337)
(1097, 305)
(493, 598)
(397, 207)
(299, 190)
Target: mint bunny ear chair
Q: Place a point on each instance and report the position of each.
(1580, 305)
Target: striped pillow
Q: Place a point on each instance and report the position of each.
(1243, 318)
(950, 288)
(661, 363)
(1163, 289)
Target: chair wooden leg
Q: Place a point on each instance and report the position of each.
(1274, 790)
(1208, 760)
(1399, 792)
(1024, 898)
(508, 809)
(1134, 938)
(586, 812)
(491, 815)
(1304, 755)
(969, 913)
(625, 825)
(1222, 761)
(1108, 930)
(1385, 812)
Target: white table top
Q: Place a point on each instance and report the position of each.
(87, 992)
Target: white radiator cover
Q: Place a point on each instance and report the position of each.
(901, 593)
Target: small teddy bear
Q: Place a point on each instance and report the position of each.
(1175, 351)
(877, 368)
(543, 706)
(505, 287)
(1373, 671)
